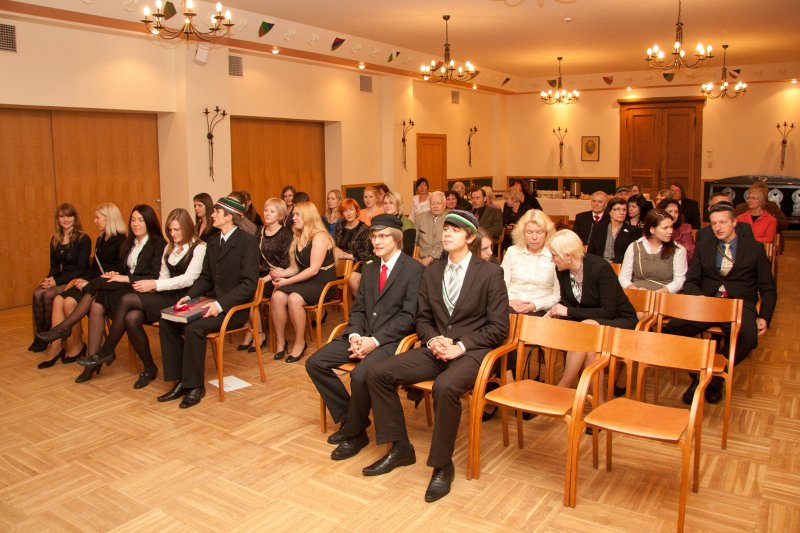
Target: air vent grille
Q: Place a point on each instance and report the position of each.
(365, 84)
(235, 66)
(456, 97)
(8, 38)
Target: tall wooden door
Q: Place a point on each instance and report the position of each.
(432, 160)
(661, 143)
(268, 154)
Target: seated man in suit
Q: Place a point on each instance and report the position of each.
(429, 229)
(489, 218)
(743, 229)
(383, 313)
(461, 189)
(229, 276)
(463, 314)
(728, 267)
(690, 209)
(586, 221)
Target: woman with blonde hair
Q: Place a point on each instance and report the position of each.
(393, 205)
(371, 208)
(332, 216)
(311, 267)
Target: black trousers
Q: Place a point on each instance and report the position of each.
(183, 347)
(451, 380)
(352, 408)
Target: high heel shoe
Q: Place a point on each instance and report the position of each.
(86, 375)
(252, 347)
(72, 358)
(54, 334)
(145, 378)
(295, 358)
(324, 316)
(97, 359)
(280, 354)
(37, 346)
(54, 360)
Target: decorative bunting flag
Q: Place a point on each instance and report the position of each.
(669, 76)
(552, 83)
(608, 79)
(265, 27)
(337, 42)
(393, 55)
(169, 10)
(505, 81)
(735, 72)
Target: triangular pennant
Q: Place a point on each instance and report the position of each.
(265, 27)
(735, 73)
(608, 79)
(169, 10)
(337, 42)
(669, 76)
(394, 55)
(552, 83)
(505, 81)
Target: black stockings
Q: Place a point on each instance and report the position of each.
(43, 306)
(129, 317)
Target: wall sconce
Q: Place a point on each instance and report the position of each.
(406, 128)
(560, 136)
(211, 123)
(784, 134)
(472, 131)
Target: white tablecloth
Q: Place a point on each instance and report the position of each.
(564, 207)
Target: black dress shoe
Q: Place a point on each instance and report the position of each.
(37, 345)
(176, 392)
(396, 457)
(252, 347)
(72, 358)
(620, 391)
(713, 392)
(350, 446)
(193, 397)
(688, 394)
(54, 360)
(336, 437)
(145, 378)
(243, 347)
(528, 416)
(295, 358)
(280, 354)
(97, 359)
(86, 375)
(415, 395)
(52, 335)
(441, 480)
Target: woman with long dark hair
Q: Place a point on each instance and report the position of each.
(655, 262)
(681, 231)
(287, 195)
(203, 207)
(611, 239)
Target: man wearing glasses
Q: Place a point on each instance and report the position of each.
(383, 313)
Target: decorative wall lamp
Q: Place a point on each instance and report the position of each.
(472, 131)
(558, 133)
(784, 134)
(407, 125)
(211, 123)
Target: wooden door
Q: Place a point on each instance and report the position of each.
(661, 143)
(268, 154)
(432, 160)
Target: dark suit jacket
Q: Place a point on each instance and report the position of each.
(691, 212)
(584, 223)
(230, 272)
(480, 317)
(148, 264)
(388, 315)
(743, 230)
(750, 276)
(627, 234)
(602, 296)
(492, 221)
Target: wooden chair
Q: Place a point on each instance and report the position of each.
(253, 326)
(709, 309)
(343, 269)
(636, 418)
(498, 245)
(416, 252)
(526, 395)
(616, 267)
(644, 302)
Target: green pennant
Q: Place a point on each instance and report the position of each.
(264, 28)
(169, 10)
(337, 42)
(505, 81)
(669, 76)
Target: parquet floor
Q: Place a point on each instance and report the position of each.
(101, 456)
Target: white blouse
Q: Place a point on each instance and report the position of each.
(679, 267)
(136, 249)
(531, 277)
(417, 207)
(187, 279)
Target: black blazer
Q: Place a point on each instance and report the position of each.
(230, 272)
(148, 265)
(106, 252)
(627, 234)
(388, 314)
(584, 224)
(743, 230)
(750, 276)
(480, 317)
(73, 263)
(602, 297)
(691, 212)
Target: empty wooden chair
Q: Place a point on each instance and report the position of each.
(343, 269)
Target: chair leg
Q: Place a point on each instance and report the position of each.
(259, 355)
(726, 417)
(218, 354)
(684, 484)
(323, 417)
(751, 373)
(520, 431)
(568, 466)
(608, 447)
(428, 409)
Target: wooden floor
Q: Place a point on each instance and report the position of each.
(101, 456)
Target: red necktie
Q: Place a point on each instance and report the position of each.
(384, 275)
(596, 219)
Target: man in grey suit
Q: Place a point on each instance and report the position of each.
(463, 314)
(489, 218)
(383, 313)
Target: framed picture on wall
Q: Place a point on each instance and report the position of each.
(590, 148)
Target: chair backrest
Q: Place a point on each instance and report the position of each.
(344, 267)
(416, 252)
(616, 267)
(659, 349)
(699, 309)
(643, 302)
(561, 334)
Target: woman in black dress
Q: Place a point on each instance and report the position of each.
(108, 221)
(311, 267)
(590, 293)
(70, 248)
(351, 238)
(141, 253)
(287, 195)
(203, 207)
(529, 197)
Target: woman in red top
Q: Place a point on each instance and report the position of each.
(764, 224)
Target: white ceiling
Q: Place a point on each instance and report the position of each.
(524, 37)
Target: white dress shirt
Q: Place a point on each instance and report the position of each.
(531, 277)
(133, 255)
(679, 266)
(187, 279)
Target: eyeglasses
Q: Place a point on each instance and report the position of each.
(379, 236)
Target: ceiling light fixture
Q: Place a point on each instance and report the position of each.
(655, 56)
(708, 88)
(446, 71)
(561, 95)
(219, 25)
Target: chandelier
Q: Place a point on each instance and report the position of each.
(561, 95)
(218, 25)
(446, 71)
(738, 89)
(655, 56)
